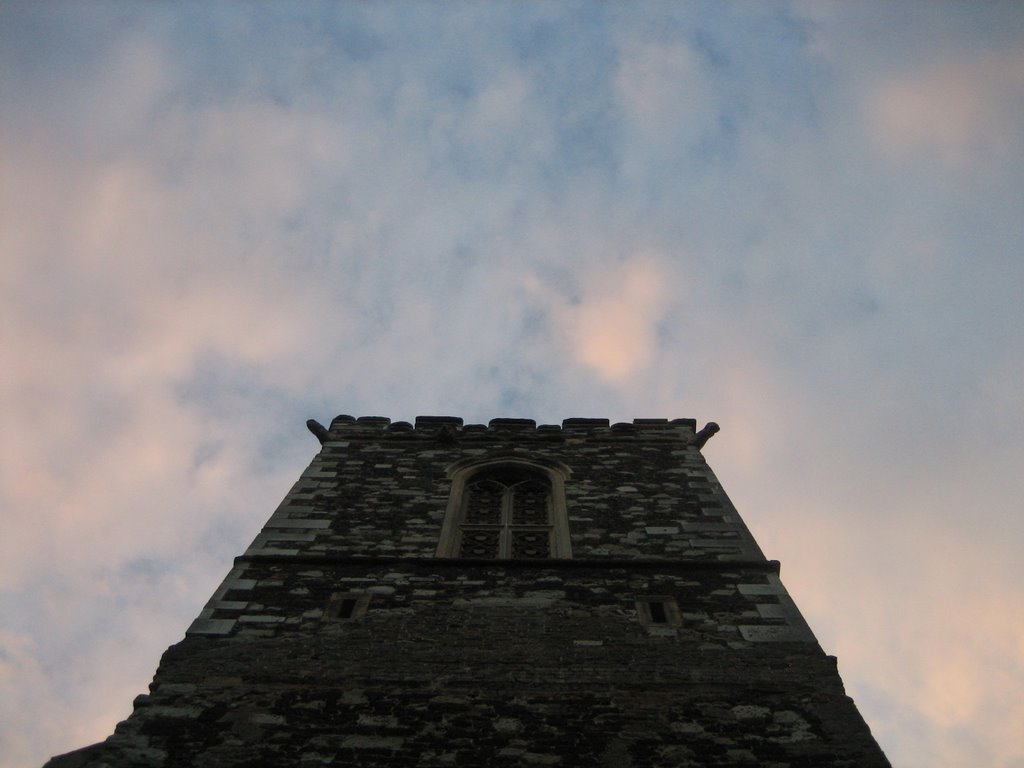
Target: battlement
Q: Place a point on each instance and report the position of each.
(346, 427)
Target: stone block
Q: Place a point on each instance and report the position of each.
(773, 634)
(211, 627)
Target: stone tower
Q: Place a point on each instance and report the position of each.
(442, 594)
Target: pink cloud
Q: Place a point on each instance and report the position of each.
(955, 110)
(614, 327)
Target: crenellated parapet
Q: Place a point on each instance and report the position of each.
(345, 426)
(451, 429)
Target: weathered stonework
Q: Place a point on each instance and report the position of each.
(338, 638)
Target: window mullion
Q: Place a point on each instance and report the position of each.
(505, 539)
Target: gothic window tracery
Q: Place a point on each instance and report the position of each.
(506, 511)
(506, 515)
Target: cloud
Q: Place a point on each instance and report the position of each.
(613, 326)
(955, 110)
(662, 91)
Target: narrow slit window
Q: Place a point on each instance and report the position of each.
(347, 606)
(658, 611)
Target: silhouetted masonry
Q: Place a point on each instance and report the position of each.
(442, 594)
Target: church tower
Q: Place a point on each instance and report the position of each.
(448, 594)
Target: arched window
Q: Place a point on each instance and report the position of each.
(506, 510)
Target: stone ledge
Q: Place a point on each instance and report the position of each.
(211, 627)
(446, 563)
(774, 634)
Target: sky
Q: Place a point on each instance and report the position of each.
(804, 221)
